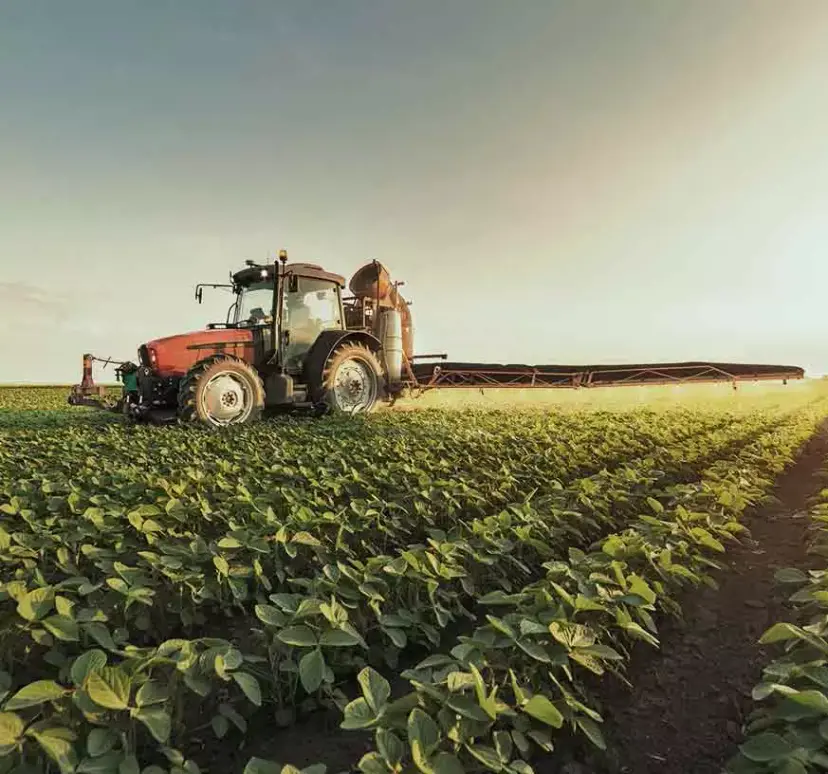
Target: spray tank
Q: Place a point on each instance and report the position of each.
(391, 321)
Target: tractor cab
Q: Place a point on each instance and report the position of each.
(304, 301)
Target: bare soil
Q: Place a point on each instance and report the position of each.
(685, 711)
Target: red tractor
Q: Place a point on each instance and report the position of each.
(290, 339)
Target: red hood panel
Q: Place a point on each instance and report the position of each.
(175, 355)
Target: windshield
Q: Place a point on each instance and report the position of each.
(256, 304)
(310, 307)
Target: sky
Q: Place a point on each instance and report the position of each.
(555, 182)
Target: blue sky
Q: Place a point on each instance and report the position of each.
(554, 181)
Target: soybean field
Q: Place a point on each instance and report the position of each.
(506, 589)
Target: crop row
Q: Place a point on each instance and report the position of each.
(95, 583)
(500, 694)
(788, 731)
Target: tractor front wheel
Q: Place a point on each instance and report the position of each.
(352, 382)
(221, 390)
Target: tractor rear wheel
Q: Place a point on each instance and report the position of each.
(352, 382)
(221, 390)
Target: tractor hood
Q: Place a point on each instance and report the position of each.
(175, 355)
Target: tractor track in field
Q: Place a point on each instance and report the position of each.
(685, 711)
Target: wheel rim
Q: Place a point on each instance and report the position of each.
(226, 399)
(355, 386)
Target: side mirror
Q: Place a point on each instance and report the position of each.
(199, 294)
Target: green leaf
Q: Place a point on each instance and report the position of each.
(312, 670)
(655, 505)
(237, 720)
(357, 715)
(766, 747)
(437, 660)
(156, 720)
(779, 633)
(468, 708)
(641, 588)
(129, 765)
(62, 627)
(501, 626)
(105, 764)
(535, 650)
(337, 638)
(221, 725)
(118, 584)
(639, 632)
(790, 575)
(375, 689)
(459, 681)
(592, 732)
(423, 736)
(64, 606)
(109, 687)
(270, 615)
(37, 603)
(261, 766)
(372, 763)
(498, 598)
(541, 738)
(100, 741)
(503, 745)
(813, 700)
(101, 635)
(299, 636)
(571, 635)
(221, 564)
(517, 689)
(152, 692)
(540, 708)
(85, 663)
(446, 763)
(11, 729)
(305, 539)
(35, 693)
(56, 742)
(604, 652)
(390, 746)
(486, 755)
(250, 686)
(232, 659)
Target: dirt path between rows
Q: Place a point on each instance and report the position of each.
(684, 713)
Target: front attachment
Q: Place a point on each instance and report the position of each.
(87, 393)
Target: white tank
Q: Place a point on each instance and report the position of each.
(390, 334)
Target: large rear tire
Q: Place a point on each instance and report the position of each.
(221, 390)
(352, 381)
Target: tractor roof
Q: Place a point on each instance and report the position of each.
(253, 274)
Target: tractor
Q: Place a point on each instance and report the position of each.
(290, 340)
